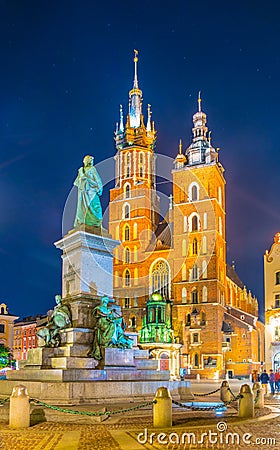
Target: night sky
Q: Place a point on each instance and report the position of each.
(65, 68)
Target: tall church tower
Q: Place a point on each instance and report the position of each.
(199, 279)
(134, 204)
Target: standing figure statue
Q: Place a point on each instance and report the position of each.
(108, 330)
(89, 184)
(58, 320)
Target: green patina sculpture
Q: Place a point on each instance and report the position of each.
(59, 319)
(108, 330)
(156, 324)
(90, 188)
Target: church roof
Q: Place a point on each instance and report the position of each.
(162, 238)
(231, 273)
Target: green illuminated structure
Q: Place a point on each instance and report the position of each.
(156, 325)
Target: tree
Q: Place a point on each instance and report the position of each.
(6, 357)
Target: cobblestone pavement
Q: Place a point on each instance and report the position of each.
(134, 431)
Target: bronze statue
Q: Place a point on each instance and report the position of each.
(58, 320)
(108, 330)
(89, 184)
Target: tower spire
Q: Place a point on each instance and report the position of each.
(135, 84)
(148, 127)
(199, 101)
(121, 119)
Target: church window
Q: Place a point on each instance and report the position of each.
(204, 269)
(135, 231)
(160, 278)
(184, 295)
(277, 301)
(205, 221)
(193, 192)
(277, 278)
(194, 296)
(184, 272)
(188, 320)
(126, 211)
(127, 190)
(204, 294)
(2, 328)
(204, 244)
(127, 165)
(135, 254)
(194, 272)
(194, 247)
(126, 233)
(141, 165)
(195, 337)
(127, 255)
(127, 278)
(203, 319)
(196, 360)
(194, 223)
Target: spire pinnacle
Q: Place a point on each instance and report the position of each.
(135, 84)
(180, 147)
(209, 137)
(121, 119)
(148, 128)
(199, 101)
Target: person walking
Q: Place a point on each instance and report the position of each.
(264, 379)
(272, 381)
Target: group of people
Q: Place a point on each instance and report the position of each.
(273, 379)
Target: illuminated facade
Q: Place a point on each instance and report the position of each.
(183, 255)
(272, 304)
(25, 335)
(6, 326)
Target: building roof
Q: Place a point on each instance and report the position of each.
(231, 273)
(162, 238)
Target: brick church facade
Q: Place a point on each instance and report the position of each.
(183, 254)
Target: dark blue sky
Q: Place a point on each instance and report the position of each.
(65, 68)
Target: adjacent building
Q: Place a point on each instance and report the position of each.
(6, 326)
(181, 256)
(25, 335)
(272, 304)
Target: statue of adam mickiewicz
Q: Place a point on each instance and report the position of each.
(89, 184)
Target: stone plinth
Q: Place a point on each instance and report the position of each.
(117, 359)
(87, 263)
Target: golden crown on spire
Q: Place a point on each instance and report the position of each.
(135, 56)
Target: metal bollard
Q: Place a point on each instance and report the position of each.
(225, 394)
(162, 409)
(19, 408)
(258, 392)
(246, 402)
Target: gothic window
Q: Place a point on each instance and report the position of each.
(184, 295)
(2, 328)
(184, 272)
(277, 278)
(127, 302)
(126, 211)
(194, 247)
(135, 231)
(194, 296)
(136, 276)
(204, 294)
(194, 223)
(205, 221)
(193, 192)
(127, 278)
(204, 269)
(141, 165)
(188, 320)
(135, 254)
(127, 255)
(127, 190)
(160, 278)
(126, 233)
(204, 244)
(220, 195)
(196, 360)
(127, 165)
(194, 272)
(203, 319)
(185, 223)
(117, 232)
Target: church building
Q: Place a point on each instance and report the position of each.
(181, 256)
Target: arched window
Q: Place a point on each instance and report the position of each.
(127, 255)
(160, 278)
(117, 254)
(127, 278)
(205, 221)
(204, 294)
(196, 360)
(184, 247)
(194, 272)
(127, 190)
(203, 319)
(204, 244)
(135, 231)
(184, 272)
(193, 192)
(2, 310)
(204, 269)
(194, 296)
(126, 211)
(184, 295)
(126, 233)
(188, 320)
(133, 322)
(194, 247)
(127, 163)
(141, 165)
(194, 223)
